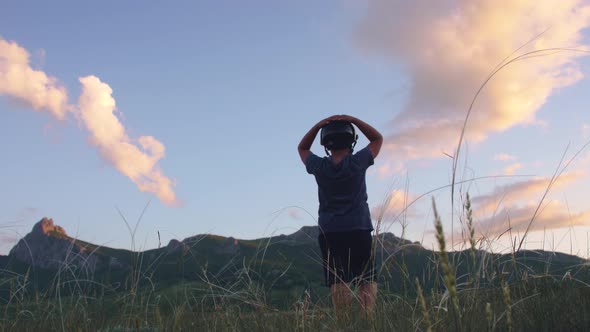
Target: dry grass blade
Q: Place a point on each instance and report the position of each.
(558, 172)
(448, 272)
(423, 307)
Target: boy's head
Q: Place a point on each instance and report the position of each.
(338, 135)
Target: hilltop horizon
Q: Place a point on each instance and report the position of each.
(306, 233)
(47, 225)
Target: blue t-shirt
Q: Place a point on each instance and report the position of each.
(342, 191)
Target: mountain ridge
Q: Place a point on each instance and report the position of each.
(49, 241)
(288, 261)
(45, 246)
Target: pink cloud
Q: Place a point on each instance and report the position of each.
(523, 191)
(512, 168)
(18, 80)
(517, 218)
(449, 48)
(504, 157)
(135, 158)
(514, 206)
(396, 206)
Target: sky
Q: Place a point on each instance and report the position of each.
(184, 118)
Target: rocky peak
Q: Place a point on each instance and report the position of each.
(176, 246)
(48, 246)
(46, 226)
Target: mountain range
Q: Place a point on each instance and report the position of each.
(48, 255)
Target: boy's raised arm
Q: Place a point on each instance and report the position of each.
(375, 138)
(309, 137)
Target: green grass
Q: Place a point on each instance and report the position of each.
(521, 291)
(542, 305)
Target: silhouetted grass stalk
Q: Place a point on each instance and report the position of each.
(489, 316)
(423, 307)
(448, 272)
(507, 303)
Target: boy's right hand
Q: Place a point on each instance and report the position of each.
(325, 121)
(334, 118)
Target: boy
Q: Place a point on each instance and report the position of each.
(344, 218)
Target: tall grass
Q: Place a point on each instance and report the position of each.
(432, 301)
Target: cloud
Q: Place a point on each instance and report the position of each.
(512, 168)
(448, 48)
(514, 205)
(395, 207)
(19, 81)
(504, 157)
(386, 170)
(137, 159)
(552, 215)
(523, 191)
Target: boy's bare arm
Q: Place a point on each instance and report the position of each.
(307, 140)
(375, 138)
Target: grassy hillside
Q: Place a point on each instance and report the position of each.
(211, 282)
